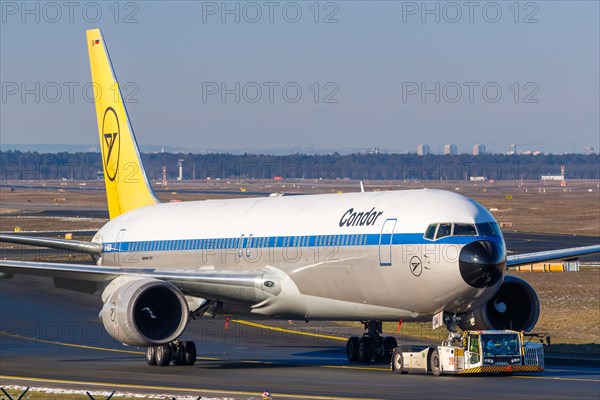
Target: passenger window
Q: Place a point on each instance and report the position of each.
(430, 232)
(464, 230)
(444, 230)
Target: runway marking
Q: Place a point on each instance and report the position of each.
(176, 389)
(81, 346)
(296, 332)
(555, 378)
(352, 367)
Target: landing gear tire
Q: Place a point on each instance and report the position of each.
(163, 355)
(151, 356)
(434, 359)
(189, 352)
(352, 348)
(389, 344)
(179, 361)
(371, 346)
(378, 352)
(397, 362)
(366, 349)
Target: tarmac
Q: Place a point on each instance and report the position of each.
(53, 338)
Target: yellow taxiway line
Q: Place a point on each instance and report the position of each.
(79, 346)
(296, 332)
(171, 388)
(82, 346)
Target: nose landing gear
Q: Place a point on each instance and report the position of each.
(178, 352)
(371, 346)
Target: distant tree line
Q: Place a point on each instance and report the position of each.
(17, 165)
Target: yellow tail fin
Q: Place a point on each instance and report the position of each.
(127, 186)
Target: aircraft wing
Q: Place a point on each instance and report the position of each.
(223, 285)
(561, 254)
(72, 245)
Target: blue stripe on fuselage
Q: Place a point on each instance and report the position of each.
(281, 242)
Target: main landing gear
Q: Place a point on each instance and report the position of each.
(371, 346)
(177, 351)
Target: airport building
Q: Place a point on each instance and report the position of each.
(478, 149)
(560, 177)
(451, 149)
(423, 149)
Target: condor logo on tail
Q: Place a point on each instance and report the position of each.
(111, 145)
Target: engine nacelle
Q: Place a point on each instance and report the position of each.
(143, 311)
(516, 306)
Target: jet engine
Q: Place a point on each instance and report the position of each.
(515, 306)
(143, 311)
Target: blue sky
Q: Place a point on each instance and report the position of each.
(371, 74)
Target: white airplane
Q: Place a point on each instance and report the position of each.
(407, 255)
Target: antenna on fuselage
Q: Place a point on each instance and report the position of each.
(362, 188)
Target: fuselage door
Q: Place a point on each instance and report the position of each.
(385, 242)
(118, 247)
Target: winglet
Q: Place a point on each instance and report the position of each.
(127, 186)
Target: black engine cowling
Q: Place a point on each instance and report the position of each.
(144, 312)
(515, 306)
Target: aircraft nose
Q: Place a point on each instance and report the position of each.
(481, 263)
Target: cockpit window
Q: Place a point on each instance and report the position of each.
(464, 230)
(430, 232)
(438, 231)
(489, 229)
(443, 230)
